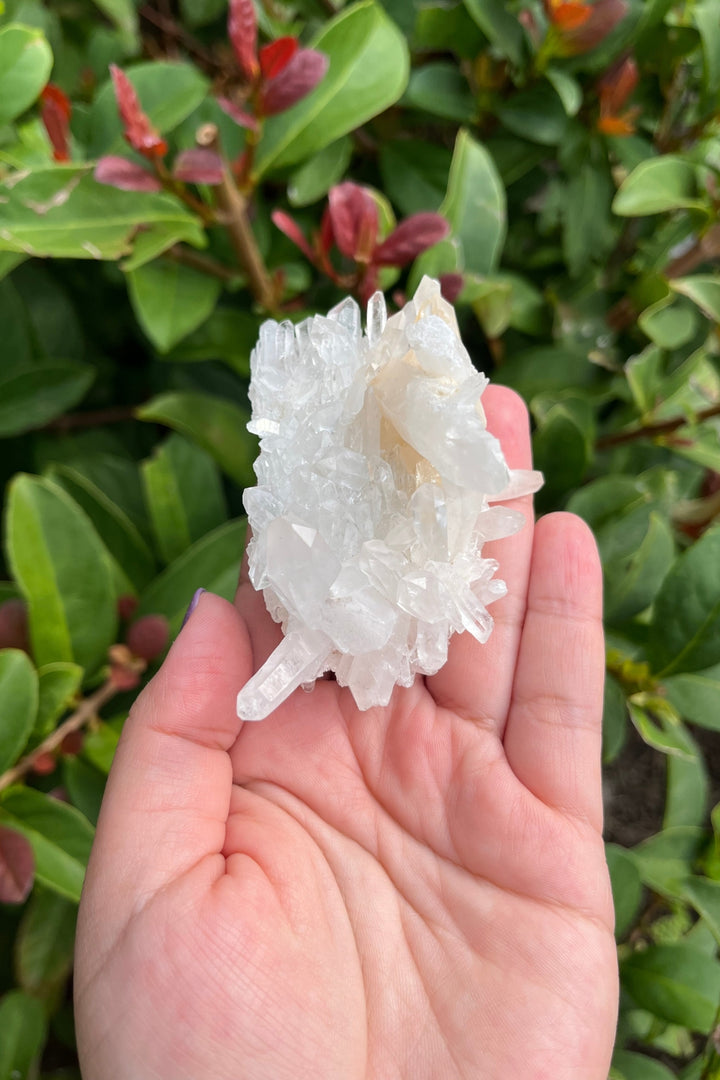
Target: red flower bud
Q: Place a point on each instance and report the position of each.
(301, 75)
(276, 56)
(148, 637)
(293, 232)
(17, 867)
(127, 606)
(354, 218)
(567, 16)
(55, 115)
(120, 173)
(451, 285)
(243, 32)
(413, 236)
(583, 26)
(138, 130)
(199, 166)
(124, 678)
(44, 764)
(72, 744)
(14, 630)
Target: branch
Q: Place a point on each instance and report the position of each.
(232, 207)
(204, 263)
(85, 713)
(114, 415)
(651, 431)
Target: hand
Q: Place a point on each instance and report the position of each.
(410, 893)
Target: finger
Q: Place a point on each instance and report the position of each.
(166, 805)
(477, 679)
(265, 633)
(553, 735)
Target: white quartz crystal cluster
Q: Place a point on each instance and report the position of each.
(376, 477)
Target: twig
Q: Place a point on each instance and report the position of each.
(651, 431)
(232, 207)
(114, 415)
(704, 249)
(172, 29)
(328, 6)
(84, 714)
(204, 263)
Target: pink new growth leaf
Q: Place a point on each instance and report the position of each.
(301, 75)
(198, 166)
(243, 32)
(120, 173)
(413, 236)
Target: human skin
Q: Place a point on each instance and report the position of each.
(411, 893)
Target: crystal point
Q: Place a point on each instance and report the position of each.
(375, 479)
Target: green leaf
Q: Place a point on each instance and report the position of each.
(171, 300)
(588, 232)
(688, 788)
(567, 88)
(215, 425)
(537, 114)
(631, 582)
(64, 573)
(212, 563)
(25, 63)
(500, 27)
(319, 173)
(414, 174)
(123, 14)
(491, 300)
(658, 184)
(85, 785)
(632, 1066)
(169, 91)
(184, 495)
(685, 630)
(31, 396)
(696, 697)
(122, 540)
(615, 720)
(100, 745)
(668, 324)
(58, 684)
(443, 29)
(19, 698)
(704, 15)
(665, 736)
(475, 205)
(667, 858)
(368, 72)
(155, 241)
(60, 836)
(62, 212)
(703, 290)
(440, 88)
(704, 895)
(626, 887)
(561, 447)
(24, 1030)
(44, 943)
(229, 335)
(675, 983)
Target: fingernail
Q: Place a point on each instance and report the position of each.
(192, 605)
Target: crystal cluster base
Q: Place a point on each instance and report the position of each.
(378, 484)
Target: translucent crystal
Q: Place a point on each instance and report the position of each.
(375, 478)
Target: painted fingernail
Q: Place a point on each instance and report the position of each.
(192, 605)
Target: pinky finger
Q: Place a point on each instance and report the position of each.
(554, 731)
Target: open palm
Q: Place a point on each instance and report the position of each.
(414, 892)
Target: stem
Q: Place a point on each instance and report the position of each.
(204, 263)
(704, 249)
(651, 431)
(115, 415)
(232, 207)
(84, 714)
(169, 27)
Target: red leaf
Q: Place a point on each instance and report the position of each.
(242, 119)
(602, 20)
(199, 166)
(276, 56)
(139, 132)
(243, 32)
(293, 232)
(451, 285)
(120, 173)
(354, 217)
(17, 866)
(617, 84)
(306, 69)
(413, 236)
(55, 115)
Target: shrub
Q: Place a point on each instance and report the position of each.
(168, 178)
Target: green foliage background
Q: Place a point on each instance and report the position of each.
(590, 285)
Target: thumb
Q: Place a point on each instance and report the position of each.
(168, 795)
